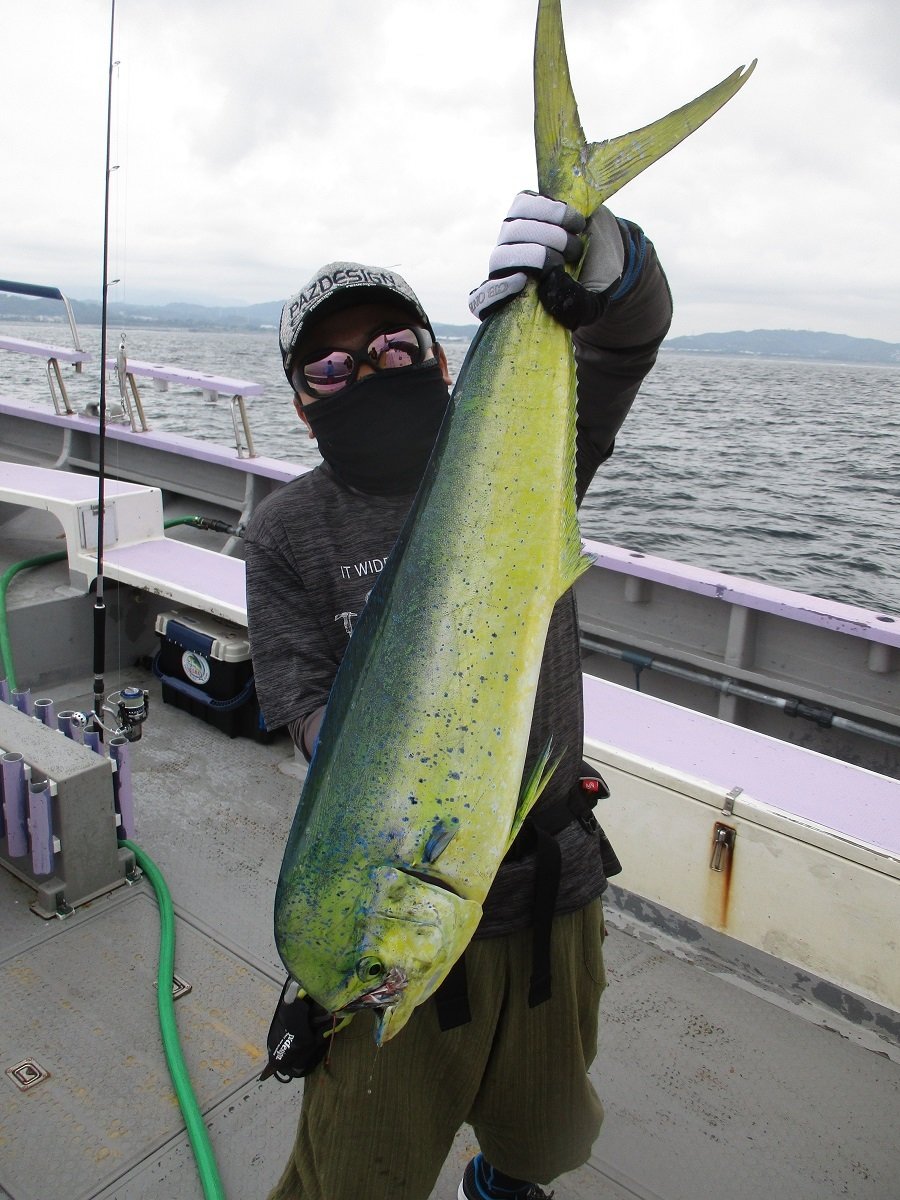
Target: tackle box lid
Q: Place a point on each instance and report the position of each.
(227, 642)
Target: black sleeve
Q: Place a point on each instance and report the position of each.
(615, 353)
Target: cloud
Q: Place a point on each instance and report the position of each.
(255, 142)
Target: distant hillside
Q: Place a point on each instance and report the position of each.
(763, 343)
(170, 316)
(789, 343)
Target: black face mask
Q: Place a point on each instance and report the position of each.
(377, 434)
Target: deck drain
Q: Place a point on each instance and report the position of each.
(27, 1074)
(180, 987)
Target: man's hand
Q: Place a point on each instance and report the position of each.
(537, 238)
(298, 1035)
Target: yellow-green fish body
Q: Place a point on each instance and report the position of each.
(413, 795)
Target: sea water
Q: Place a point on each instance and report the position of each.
(782, 471)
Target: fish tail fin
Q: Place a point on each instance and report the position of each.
(586, 174)
(534, 785)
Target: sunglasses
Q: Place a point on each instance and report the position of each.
(327, 372)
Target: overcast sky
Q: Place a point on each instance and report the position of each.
(256, 141)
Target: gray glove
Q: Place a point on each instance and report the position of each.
(538, 236)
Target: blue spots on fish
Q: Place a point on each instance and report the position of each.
(442, 835)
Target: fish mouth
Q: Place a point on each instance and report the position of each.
(385, 995)
(431, 880)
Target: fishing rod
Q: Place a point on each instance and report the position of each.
(132, 701)
(99, 602)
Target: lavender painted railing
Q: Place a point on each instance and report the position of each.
(796, 606)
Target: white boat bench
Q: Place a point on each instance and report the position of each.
(136, 549)
(813, 862)
(811, 787)
(189, 575)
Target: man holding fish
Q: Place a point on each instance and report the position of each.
(507, 1047)
(413, 623)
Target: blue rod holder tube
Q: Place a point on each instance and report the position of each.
(13, 769)
(45, 711)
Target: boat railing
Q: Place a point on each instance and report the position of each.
(54, 355)
(747, 652)
(127, 372)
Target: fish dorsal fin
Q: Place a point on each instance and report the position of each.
(533, 787)
(586, 174)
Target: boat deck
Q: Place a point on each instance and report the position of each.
(713, 1085)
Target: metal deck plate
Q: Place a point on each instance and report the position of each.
(81, 1003)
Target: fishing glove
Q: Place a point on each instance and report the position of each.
(298, 1036)
(537, 238)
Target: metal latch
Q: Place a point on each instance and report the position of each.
(730, 797)
(723, 845)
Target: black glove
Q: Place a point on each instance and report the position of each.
(298, 1036)
(568, 301)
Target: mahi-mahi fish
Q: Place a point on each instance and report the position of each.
(414, 792)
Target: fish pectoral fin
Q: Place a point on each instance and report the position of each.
(441, 835)
(531, 791)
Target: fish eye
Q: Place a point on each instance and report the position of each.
(369, 969)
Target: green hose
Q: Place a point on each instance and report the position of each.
(180, 521)
(190, 1110)
(193, 1118)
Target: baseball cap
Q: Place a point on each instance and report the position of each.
(340, 285)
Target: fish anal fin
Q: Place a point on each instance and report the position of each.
(532, 789)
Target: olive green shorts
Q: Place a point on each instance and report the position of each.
(379, 1123)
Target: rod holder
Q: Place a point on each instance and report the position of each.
(13, 768)
(45, 711)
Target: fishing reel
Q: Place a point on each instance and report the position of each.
(132, 710)
(129, 707)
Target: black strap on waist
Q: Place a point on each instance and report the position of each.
(546, 889)
(452, 998)
(538, 836)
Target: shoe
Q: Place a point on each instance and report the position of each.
(476, 1184)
